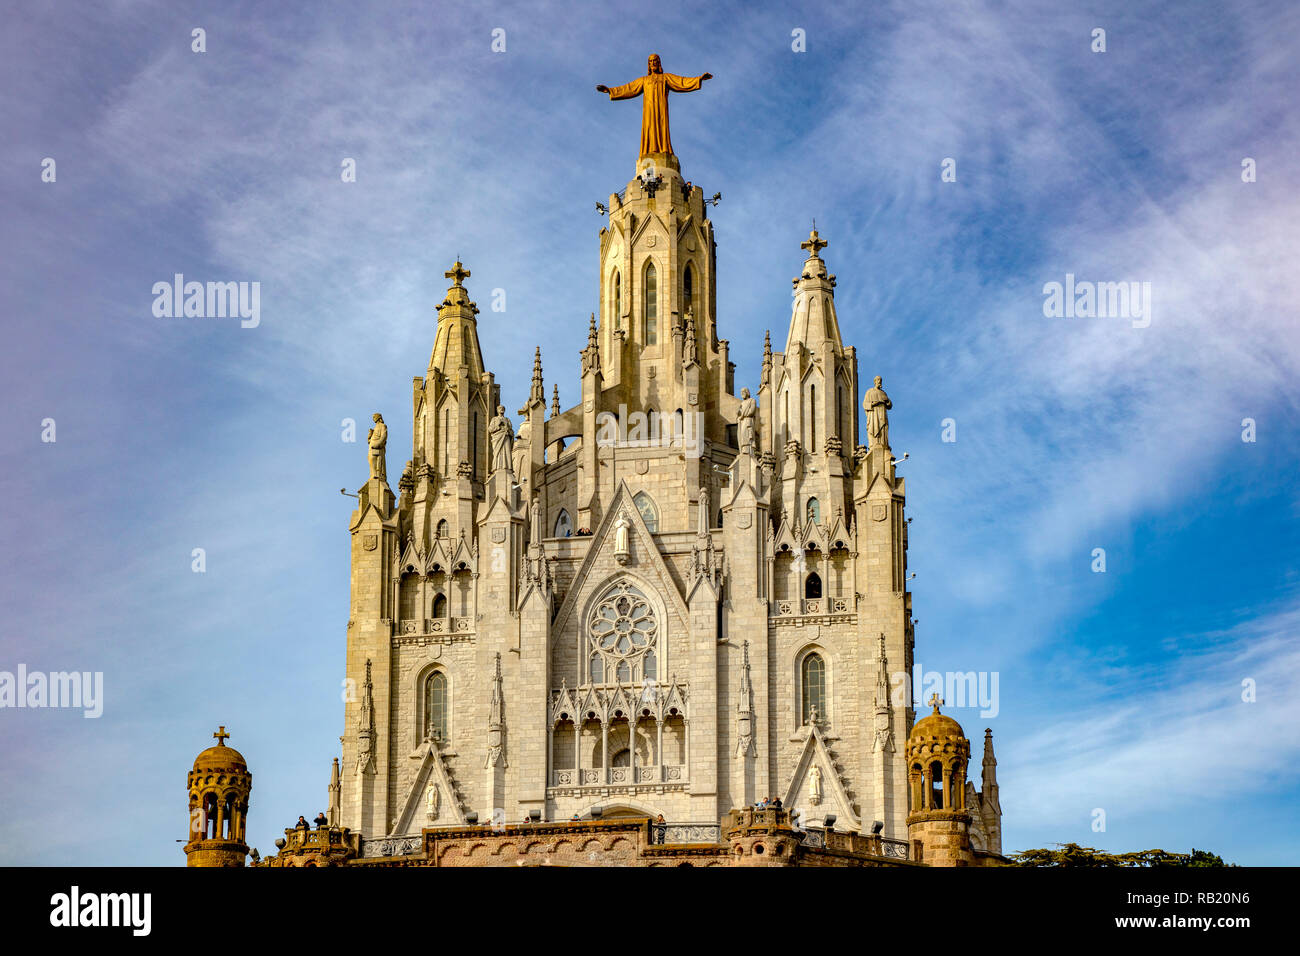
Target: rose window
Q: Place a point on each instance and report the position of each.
(622, 630)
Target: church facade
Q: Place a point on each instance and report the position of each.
(647, 612)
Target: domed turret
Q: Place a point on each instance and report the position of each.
(939, 824)
(219, 787)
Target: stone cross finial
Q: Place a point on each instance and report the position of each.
(935, 701)
(814, 243)
(457, 273)
(221, 735)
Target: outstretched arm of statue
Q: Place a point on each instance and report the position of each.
(685, 84)
(624, 92)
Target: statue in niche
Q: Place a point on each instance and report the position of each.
(815, 785)
(432, 798)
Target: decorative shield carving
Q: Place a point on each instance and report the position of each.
(370, 541)
(589, 405)
(498, 535)
(878, 512)
(642, 466)
(743, 520)
(692, 398)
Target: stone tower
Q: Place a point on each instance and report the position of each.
(939, 824)
(219, 786)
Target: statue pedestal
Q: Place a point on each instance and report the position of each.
(501, 484)
(376, 492)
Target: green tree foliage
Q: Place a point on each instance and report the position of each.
(1071, 854)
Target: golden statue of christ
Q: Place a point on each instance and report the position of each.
(653, 89)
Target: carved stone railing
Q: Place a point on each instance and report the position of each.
(617, 776)
(810, 607)
(687, 833)
(414, 627)
(815, 838)
(391, 846)
(896, 849)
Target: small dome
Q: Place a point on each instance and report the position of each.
(936, 725)
(221, 757)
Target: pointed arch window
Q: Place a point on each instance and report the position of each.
(435, 706)
(812, 418)
(814, 511)
(812, 586)
(442, 528)
(688, 289)
(563, 524)
(813, 686)
(473, 441)
(651, 305)
(440, 605)
(597, 669)
(618, 300)
(649, 513)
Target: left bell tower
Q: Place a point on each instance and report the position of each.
(219, 787)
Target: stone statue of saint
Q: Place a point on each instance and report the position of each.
(705, 517)
(745, 424)
(653, 89)
(877, 405)
(621, 527)
(815, 785)
(431, 799)
(501, 435)
(377, 438)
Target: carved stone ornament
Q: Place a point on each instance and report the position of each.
(498, 535)
(743, 520)
(370, 541)
(879, 512)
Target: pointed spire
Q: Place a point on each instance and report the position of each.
(496, 721)
(746, 688)
(555, 401)
(494, 712)
(456, 342)
(766, 377)
(335, 794)
(538, 391)
(882, 678)
(591, 354)
(812, 318)
(990, 774)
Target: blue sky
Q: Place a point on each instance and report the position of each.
(1119, 691)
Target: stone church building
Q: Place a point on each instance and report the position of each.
(617, 627)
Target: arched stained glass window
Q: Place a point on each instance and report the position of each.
(618, 300)
(813, 687)
(563, 524)
(435, 706)
(649, 513)
(651, 305)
